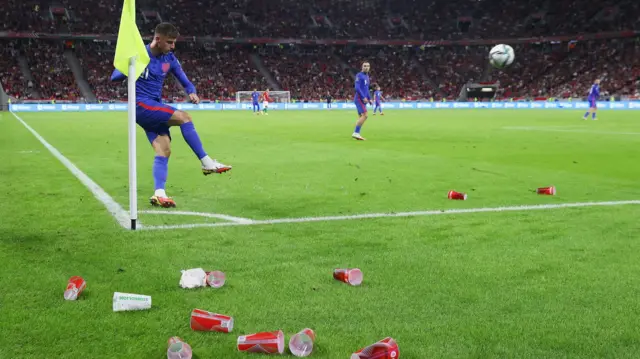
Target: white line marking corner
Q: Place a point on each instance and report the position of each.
(201, 214)
(399, 214)
(112, 206)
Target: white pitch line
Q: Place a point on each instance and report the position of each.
(112, 206)
(399, 214)
(201, 214)
(556, 129)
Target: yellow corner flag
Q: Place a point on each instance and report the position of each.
(129, 43)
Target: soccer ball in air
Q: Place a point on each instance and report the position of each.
(501, 56)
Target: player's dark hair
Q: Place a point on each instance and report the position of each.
(168, 30)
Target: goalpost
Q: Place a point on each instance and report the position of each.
(276, 96)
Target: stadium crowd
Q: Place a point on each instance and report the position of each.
(11, 77)
(96, 59)
(309, 73)
(312, 72)
(49, 68)
(380, 19)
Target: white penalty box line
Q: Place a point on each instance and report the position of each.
(236, 221)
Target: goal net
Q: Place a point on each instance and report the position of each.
(276, 96)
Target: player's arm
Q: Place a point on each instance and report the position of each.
(176, 68)
(117, 75)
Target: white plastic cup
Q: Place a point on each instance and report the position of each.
(178, 349)
(128, 301)
(301, 344)
(215, 279)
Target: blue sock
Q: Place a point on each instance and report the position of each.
(586, 114)
(593, 115)
(160, 171)
(357, 129)
(193, 140)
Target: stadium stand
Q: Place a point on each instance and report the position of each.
(54, 79)
(11, 77)
(218, 70)
(432, 20)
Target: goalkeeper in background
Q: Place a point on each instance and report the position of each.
(156, 118)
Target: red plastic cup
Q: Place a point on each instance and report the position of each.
(457, 195)
(551, 191)
(263, 342)
(387, 348)
(202, 320)
(215, 279)
(351, 276)
(75, 286)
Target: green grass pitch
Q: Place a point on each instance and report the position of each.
(553, 283)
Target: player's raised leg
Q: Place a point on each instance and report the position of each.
(191, 137)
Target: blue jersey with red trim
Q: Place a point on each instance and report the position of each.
(149, 84)
(362, 86)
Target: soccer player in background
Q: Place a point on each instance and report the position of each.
(377, 100)
(329, 99)
(255, 98)
(265, 101)
(594, 94)
(156, 118)
(361, 99)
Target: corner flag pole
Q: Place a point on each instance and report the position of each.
(131, 110)
(131, 58)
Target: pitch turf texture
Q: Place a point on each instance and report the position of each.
(551, 283)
